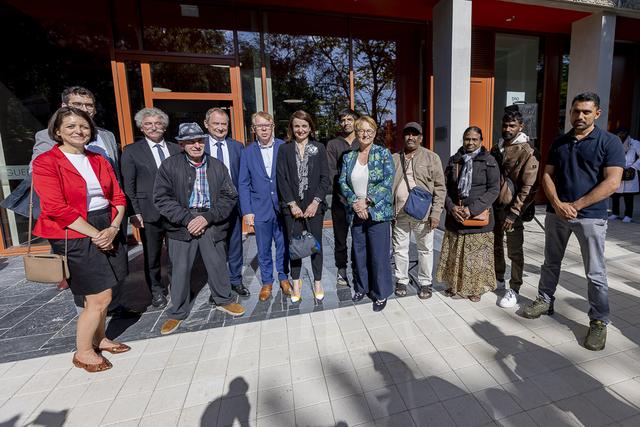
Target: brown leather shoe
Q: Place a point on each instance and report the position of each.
(63, 285)
(116, 349)
(232, 308)
(286, 287)
(265, 292)
(170, 326)
(92, 367)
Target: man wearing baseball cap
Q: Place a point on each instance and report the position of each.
(197, 197)
(416, 166)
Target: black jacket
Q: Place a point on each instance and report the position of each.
(139, 175)
(173, 188)
(485, 187)
(336, 149)
(287, 176)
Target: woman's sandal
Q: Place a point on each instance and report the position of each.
(92, 367)
(474, 298)
(116, 349)
(401, 290)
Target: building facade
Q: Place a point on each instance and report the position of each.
(446, 64)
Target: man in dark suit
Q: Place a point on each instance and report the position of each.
(258, 192)
(140, 163)
(228, 151)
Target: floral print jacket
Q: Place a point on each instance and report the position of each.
(379, 189)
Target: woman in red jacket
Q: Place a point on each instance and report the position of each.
(81, 210)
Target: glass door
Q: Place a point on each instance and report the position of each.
(183, 87)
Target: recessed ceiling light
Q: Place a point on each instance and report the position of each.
(161, 89)
(293, 101)
(510, 19)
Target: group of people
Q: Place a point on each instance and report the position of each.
(195, 193)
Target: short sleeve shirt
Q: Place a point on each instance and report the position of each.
(579, 167)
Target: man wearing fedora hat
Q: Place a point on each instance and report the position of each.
(197, 197)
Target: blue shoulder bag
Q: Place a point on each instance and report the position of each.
(419, 200)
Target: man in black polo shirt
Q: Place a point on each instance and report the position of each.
(583, 169)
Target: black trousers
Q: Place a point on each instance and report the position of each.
(153, 236)
(628, 203)
(294, 227)
(340, 231)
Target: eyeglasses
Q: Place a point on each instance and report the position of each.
(263, 127)
(367, 132)
(84, 105)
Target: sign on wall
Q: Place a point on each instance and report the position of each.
(514, 97)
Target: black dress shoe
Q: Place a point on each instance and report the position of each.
(241, 290)
(159, 301)
(357, 297)
(379, 305)
(211, 300)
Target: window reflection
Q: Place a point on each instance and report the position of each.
(191, 40)
(251, 76)
(309, 73)
(175, 77)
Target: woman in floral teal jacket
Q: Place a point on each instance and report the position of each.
(366, 180)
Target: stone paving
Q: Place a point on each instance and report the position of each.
(437, 362)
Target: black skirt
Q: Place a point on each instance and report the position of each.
(91, 270)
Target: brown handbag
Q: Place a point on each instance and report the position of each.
(480, 220)
(44, 268)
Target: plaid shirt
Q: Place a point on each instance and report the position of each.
(200, 194)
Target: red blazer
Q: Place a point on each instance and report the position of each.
(63, 192)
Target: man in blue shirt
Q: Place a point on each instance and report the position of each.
(258, 193)
(583, 169)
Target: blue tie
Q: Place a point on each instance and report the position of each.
(160, 152)
(220, 156)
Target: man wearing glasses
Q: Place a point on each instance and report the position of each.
(105, 142)
(140, 163)
(259, 205)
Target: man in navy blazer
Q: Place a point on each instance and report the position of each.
(258, 195)
(228, 151)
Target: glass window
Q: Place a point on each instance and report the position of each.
(516, 74)
(307, 71)
(251, 76)
(67, 46)
(176, 77)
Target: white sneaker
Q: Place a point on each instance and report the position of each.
(626, 219)
(613, 217)
(510, 299)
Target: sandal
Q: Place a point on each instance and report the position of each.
(449, 292)
(474, 298)
(92, 367)
(116, 349)
(401, 290)
(425, 292)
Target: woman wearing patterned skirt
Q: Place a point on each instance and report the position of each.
(473, 183)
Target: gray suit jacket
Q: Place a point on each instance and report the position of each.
(44, 144)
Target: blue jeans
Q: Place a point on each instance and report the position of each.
(371, 242)
(591, 234)
(268, 232)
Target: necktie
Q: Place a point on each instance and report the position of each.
(220, 156)
(160, 152)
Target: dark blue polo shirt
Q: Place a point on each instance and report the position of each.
(579, 167)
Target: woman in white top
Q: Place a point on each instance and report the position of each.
(82, 207)
(366, 181)
(629, 187)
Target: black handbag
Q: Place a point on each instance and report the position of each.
(629, 174)
(304, 245)
(419, 201)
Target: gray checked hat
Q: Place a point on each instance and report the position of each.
(412, 126)
(189, 131)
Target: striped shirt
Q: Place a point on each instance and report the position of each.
(200, 194)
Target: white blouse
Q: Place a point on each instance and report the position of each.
(95, 196)
(360, 179)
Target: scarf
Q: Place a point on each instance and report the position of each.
(464, 181)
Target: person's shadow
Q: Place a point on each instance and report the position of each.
(44, 419)
(554, 374)
(231, 413)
